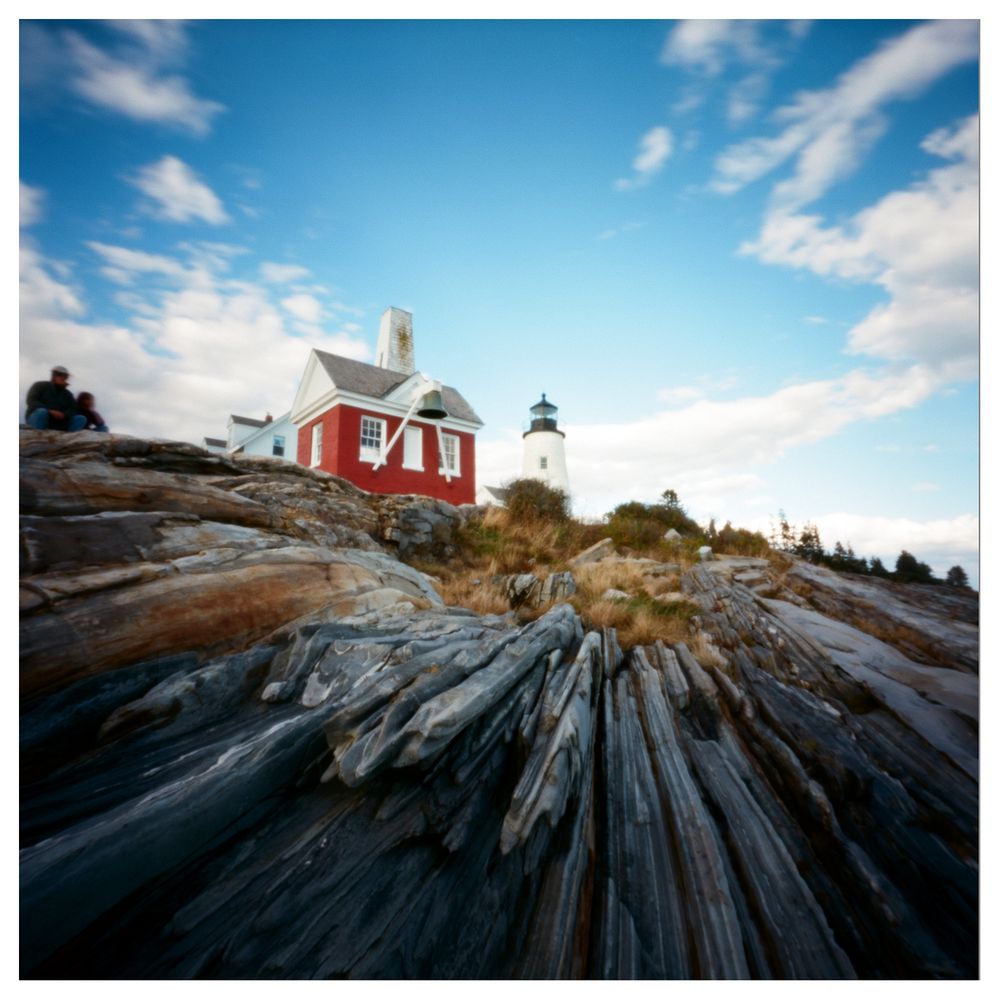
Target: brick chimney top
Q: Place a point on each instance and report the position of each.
(395, 342)
(268, 418)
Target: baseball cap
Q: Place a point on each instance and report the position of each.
(59, 370)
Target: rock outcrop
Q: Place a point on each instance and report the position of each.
(256, 745)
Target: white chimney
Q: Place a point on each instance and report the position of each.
(395, 341)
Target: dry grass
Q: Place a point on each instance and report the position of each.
(501, 544)
(638, 623)
(593, 579)
(642, 618)
(482, 597)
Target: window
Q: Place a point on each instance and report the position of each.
(317, 444)
(543, 462)
(450, 457)
(413, 448)
(372, 438)
(278, 445)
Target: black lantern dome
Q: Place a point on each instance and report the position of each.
(543, 415)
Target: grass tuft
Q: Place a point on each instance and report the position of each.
(537, 535)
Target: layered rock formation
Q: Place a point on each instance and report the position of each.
(255, 744)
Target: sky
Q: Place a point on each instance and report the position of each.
(742, 257)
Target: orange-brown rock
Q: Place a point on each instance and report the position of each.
(214, 603)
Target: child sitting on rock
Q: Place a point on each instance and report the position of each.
(85, 407)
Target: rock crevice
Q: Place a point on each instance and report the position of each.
(251, 752)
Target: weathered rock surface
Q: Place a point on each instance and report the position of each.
(358, 782)
(595, 553)
(528, 590)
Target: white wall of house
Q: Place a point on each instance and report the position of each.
(237, 432)
(267, 439)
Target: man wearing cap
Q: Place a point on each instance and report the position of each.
(51, 405)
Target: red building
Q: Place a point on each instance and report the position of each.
(386, 427)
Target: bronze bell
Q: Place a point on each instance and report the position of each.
(432, 406)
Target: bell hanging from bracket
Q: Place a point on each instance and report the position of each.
(432, 406)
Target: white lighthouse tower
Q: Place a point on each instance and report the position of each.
(544, 451)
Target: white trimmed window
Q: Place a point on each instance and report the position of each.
(317, 444)
(543, 462)
(278, 445)
(450, 458)
(413, 448)
(372, 438)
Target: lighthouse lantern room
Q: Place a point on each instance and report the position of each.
(544, 449)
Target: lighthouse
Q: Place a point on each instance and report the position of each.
(544, 450)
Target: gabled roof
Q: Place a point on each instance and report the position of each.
(370, 380)
(249, 421)
(215, 442)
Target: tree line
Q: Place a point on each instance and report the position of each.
(806, 545)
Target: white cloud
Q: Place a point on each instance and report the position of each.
(680, 395)
(942, 542)
(815, 320)
(306, 308)
(683, 394)
(132, 83)
(745, 97)
(177, 193)
(627, 227)
(708, 46)
(41, 294)
(716, 454)
(164, 41)
(655, 148)
(30, 204)
(281, 273)
(705, 441)
(708, 49)
(123, 265)
(198, 345)
(830, 129)
(921, 245)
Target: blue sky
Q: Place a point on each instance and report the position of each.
(742, 257)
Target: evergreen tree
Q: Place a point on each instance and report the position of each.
(786, 533)
(838, 558)
(877, 568)
(957, 577)
(855, 564)
(809, 546)
(671, 501)
(910, 570)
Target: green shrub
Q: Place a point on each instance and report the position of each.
(643, 525)
(740, 542)
(533, 500)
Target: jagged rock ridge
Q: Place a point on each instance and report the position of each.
(349, 779)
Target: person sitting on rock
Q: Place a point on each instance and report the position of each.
(51, 405)
(85, 407)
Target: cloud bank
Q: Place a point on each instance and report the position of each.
(135, 79)
(198, 343)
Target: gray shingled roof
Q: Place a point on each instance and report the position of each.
(249, 421)
(370, 380)
(215, 442)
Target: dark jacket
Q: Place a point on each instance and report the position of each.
(49, 396)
